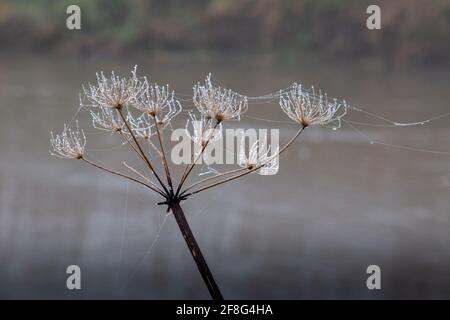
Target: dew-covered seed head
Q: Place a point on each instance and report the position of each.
(308, 108)
(215, 102)
(112, 92)
(69, 144)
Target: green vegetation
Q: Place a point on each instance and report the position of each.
(413, 31)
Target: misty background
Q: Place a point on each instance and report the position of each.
(337, 205)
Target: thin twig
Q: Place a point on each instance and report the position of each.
(163, 155)
(132, 146)
(190, 167)
(193, 151)
(140, 175)
(122, 175)
(119, 111)
(153, 146)
(211, 178)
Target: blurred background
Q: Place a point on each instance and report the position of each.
(337, 205)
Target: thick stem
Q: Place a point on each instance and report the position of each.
(195, 251)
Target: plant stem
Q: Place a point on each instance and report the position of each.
(119, 111)
(163, 155)
(141, 175)
(211, 178)
(132, 147)
(195, 251)
(123, 176)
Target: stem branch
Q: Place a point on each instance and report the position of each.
(189, 168)
(122, 175)
(119, 111)
(163, 154)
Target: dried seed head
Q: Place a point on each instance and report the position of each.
(259, 155)
(113, 92)
(308, 108)
(158, 102)
(68, 144)
(218, 103)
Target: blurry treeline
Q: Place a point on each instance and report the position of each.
(413, 31)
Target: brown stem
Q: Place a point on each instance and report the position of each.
(163, 155)
(140, 175)
(122, 175)
(212, 178)
(193, 156)
(132, 146)
(153, 146)
(119, 111)
(189, 168)
(195, 251)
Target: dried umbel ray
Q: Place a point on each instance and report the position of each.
(114, 102)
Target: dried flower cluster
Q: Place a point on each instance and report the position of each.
(139, 111)
(217, 103)
(114, 102)
(69, 144)
(308, 109)
(158, 102)
(114, 92)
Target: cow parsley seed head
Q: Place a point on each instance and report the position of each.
(259, 155)
(308, 108)
(113, 92)
(68, 144)
(156, 100)
(214, 102)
